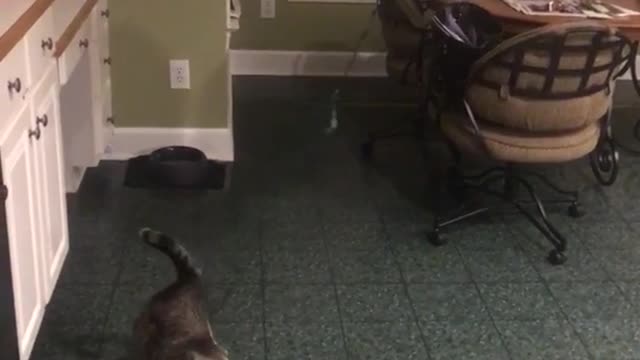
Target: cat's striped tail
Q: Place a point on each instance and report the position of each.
(177, 253)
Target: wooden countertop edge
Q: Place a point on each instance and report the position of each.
(67, 36)
(19, 29)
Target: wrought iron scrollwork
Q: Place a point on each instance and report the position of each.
(604, 161)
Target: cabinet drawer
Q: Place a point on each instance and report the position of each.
(40, 45)
(104, 42)
(105, 74)
(107, 111)
(19, 172)
(74, 52)
(108, 119)
(14, 81)
(100, 29)
(42, 91)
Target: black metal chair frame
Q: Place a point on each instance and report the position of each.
(603, 160)
(418, 118)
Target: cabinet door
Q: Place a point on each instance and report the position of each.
(8, 334)
(18, 167)
(101, 80)
(55, 237)
(108, 119)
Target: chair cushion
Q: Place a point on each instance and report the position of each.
(516, 146)
(554, 78)
(537, 115)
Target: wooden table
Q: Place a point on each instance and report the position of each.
(516, 22)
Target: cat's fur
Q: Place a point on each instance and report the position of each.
(174, 325)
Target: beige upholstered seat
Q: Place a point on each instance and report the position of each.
(540, 97)
(512, 146)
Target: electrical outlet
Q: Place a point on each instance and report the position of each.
(179, 73)
(268, 9)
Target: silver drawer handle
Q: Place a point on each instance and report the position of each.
(47, 44)
(35, 133)
(14, 86)
(84, 43)
(44, 120)
(111, 120)
(105, 13)
(107, 60)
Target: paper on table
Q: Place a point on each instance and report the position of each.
(577, 8)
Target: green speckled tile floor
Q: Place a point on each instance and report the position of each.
(311, 254)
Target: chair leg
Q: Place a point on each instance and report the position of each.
(455, 187)
(569, 197)
(604, 161)
(436, 236)
(604, 158)
(512, 183)
(556, 256)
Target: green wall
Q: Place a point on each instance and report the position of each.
(144, 36)
(306, 26)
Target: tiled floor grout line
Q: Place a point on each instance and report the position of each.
(555, 300)
(484, 301)
(112, 295)
(366, 178)
(115, 284)
(589, 250)
(383, 207)
(337, 297)
(405, 284)
(263, 289)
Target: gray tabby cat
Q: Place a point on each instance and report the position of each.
(174, 324)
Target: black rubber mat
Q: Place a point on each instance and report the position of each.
(137, 175)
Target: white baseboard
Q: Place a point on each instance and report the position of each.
(316, 63)
(74, 177)
(306, 63)
(126, 143)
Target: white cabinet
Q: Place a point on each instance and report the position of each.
(73, 53)
(19, 166)
(63, 13)
(32, 164)
(87, 117)
(52, 204)
(11, 12)
(101, 79)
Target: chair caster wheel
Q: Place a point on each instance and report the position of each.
(436, 239)
(366, 150)
(575, 211)
(556, 257)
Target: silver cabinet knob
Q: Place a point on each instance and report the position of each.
(14, 86)
(35, 133)
(44, 120)
(47, 44)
